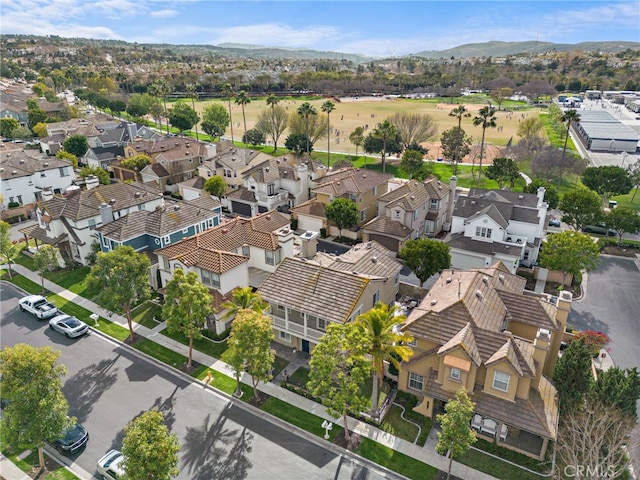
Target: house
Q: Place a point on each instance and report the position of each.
(305, 294)
(192, 188)
(58, 131)
(492, 225)
(14, 106)
(25, 177)
(238, 253)
(413, 210)
(274, 184)
(145, 230)
(174, 159)
(69, 221)
(363, 187)
(480, 329)
(230, 163)
(109, 145)
(311, 216)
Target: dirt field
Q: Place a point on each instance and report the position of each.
(350, 113)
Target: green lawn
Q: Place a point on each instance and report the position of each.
(146, 313)
(487, 464)
(396, 461)
(300, 377)
(393, 423)
(278, 365)
(203, 344)
(300, 418)
(161, 353)
(73, 280)
(30, 461)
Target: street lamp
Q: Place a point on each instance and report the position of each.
(327, 428)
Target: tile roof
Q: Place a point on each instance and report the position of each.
(459, 241)
(388, 227)
(86, 203)
(243, 194)
(466, 340)
(313, 289)
(211, 260)
(18, 163)
(369, 259)
(351, 180)
(507, 205)
(311, 207)
(170, 149)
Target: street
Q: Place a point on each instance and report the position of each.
(108, 384)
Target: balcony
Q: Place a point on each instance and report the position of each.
(280, 197)
(515, 239)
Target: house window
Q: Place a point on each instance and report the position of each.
(415, 214)
(413, 343)
(433, 205)
(105, 242)
(185, 230)
(246, 250)
(483, 232)
(285, 336)
(375, 190)
(376, 298)
(416, 381)
(268, 257)
(397, 279)
(165, 263)
(167, 239)
(501, 381)
(63, 172)
(363, 215)
(271, 189)
(397, 213)
(210, 278)
(280, 307)
(322, 324)
(455, 374)
(92, 224)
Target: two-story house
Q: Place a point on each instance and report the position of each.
(413, 210)
(145, 230)
(305, 294)
(492, 225)
(480, 329)
(25, 176)
(363, 187)
(69, 222)
(109, 145)
(58, 131)
(274, 184)
(238, 253)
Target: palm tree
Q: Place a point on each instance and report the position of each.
(272, 101)
(242, 99)
(486, 119)
(328, 107)
(306, 110)
(161, 88)
(385, 131)
(383, 343)
(227, 91)
(459, 112)
(244, 299)
(568, 117)
(192, 93)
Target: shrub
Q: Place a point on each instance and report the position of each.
(594, 340)
(294, 223)
(323, 232)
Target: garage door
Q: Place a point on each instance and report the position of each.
(388, 242)
(241, 208)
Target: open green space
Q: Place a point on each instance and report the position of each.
(204, 345)
(160, 352)
(300, 418)
(396, 461)
(146, 314)
(495, 467)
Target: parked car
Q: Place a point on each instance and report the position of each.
(68, 325)
(72, 440)
(554, 222)
(38, 306)
(110, 465)
(600, 230)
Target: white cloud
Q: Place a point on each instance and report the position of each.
(164, 13)
(275, 34)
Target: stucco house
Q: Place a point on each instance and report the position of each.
(492, 225)
(238, 253)
(413, 210)
(230, 163)
(480, 329)
(305, 294)
(69, 221)
(109, 145)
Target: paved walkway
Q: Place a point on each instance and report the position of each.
(426, 454)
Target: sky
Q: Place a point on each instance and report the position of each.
(378, 28)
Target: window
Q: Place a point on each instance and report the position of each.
(285, 336)
(268, 257)
(415, 215)
(280, 307)
(501, 381)
(271, 189)
(397, 279)
(185, 230)
(376, 298)
(165, 263)
(375, 190)
(433, 205)
(416, 381)
(322, 324)
(397, 213)
(455, 374)
(483, 232)
(363, 214)
(210, 278)
(92, 224)
(167, 239)
(413, 343)
(63, 172)
(105, 242)
(246, 250)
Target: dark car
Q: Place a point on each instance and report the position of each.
(554, 222)
(73, 439)
(600, 230)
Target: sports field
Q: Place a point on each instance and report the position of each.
(367, 112)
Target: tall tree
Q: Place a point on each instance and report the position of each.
(227, 91)
(580, 207)
(183, 117)
(244, 298)
(243, 99)
(149, 449)
(306, 110)
(459, 112)
(215, 186)
(425, 257)
(315, 124)
(455, 435)
(357, 138)
(551, 195)
(485, 119)
(30, 379)
(570, 252)
(191, 91)
(618, 388)
(383, 343)
(412, 161)
(623, 220)
(187, 303)
(328, 107)
(568, 118)
(385, 132)
(413, 128)
(215, 120)
(500, 94)
(607, 181)
(343, 212)
(572, 375)
(121, 278)
(46, 259)
(101, 173)
(339, 369)
(634, 173)
(456, 144)
(250, 347)
(503, 171)
(7, 248)
(161, 89)
(273, 122)
(7, 126)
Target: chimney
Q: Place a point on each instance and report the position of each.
(47, 194)
(132, 130)
(540, 194)
(542, 345)
(453, 182)
(563, 307)
(106, 213)
(91, 182)
(309, 241)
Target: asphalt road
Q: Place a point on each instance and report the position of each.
(108, 384)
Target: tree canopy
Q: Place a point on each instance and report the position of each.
(76, 144)
(137, 162)
(623, 220)
(580, 207)
(413, 127)
(273, 122)
(183, 117)
(569, 252)
(425, 257)
(607, 180)
(455, 145)
(343, 212)
(101, 173)
(7, 248)
(215, 120)
(384, 139)
(572, 374)
(215, 186)
(412, 161)
(504, 171)
(47, 258)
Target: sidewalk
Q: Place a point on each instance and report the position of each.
(426, 454)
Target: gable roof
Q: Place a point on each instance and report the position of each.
(314, 289)
(501, 205)
(350, 180)
(312, 208)
(413, 194)
(386, 226)
(369, 259)
(465, 340)
(18, 163)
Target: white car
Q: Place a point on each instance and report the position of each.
(110, 466)
(69, 326)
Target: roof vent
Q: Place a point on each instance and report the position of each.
(449, 280)
(473, 202)
(520, 197)
(485, 280)
(479, 294)
(22, 160)
(501, 278)
(112, 201)
(225, 230)
(46, 164)
(374, 259)
(176, 208)
(137, 194)
(268, 217)
(15, 172)
(433, 302)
